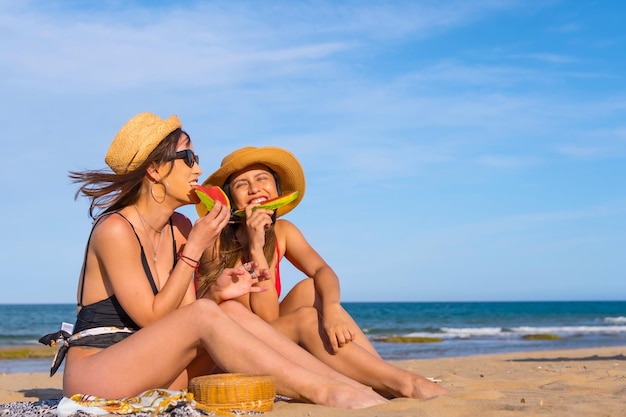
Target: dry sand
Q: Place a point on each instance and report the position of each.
(584, 382)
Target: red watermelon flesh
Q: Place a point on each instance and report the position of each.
(272, 204)
(209, 195)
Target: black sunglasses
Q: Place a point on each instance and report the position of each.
(188, 156)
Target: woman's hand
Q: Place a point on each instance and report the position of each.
(336, 325)
(206, 230)
(257, 222)
(235, 282)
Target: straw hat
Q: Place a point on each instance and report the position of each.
(136, 139)
(280, 160)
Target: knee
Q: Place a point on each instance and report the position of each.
(204, 309)
(304, 288)
(303, 294)
(306, 317)
(233, 308)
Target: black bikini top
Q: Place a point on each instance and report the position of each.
(109, 312)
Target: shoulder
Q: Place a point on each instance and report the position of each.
(112, 227)
(284, 226)
(112, 224)
(285, 229)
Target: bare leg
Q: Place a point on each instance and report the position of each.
(283, 344)
(303, 327)
(202, 364)
(303, 294)
(157, 355)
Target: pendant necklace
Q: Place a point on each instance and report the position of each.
(160, 233)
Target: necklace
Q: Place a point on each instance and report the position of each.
(143, 224)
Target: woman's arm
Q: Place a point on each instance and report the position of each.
(182, 228)
(301, 254)
(264, 303)
(306, 259)
(118, 255)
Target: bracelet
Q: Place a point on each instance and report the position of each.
(184, 259)
(190, 259)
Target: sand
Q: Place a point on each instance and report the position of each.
(582, 382)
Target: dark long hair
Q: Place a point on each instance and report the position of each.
(109, 191)
(229, 250)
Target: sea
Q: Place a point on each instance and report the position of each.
(460, 328)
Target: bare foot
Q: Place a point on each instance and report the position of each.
(341, 395)
(423, 388)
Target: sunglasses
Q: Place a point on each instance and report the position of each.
(187, 156)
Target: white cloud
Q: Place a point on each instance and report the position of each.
(388, 104)
(505, 161)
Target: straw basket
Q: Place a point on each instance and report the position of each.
(229, 392)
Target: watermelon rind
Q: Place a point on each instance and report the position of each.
(272, 204)
(207, 200)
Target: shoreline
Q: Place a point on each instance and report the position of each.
(588, 381)
(19, 352)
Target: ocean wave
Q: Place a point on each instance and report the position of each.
(570, 330)
(620, 319)
(514, 332)
(471, 331)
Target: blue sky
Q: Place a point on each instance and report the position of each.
(454, 151)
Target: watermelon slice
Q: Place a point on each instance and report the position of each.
(271, 204)
(209, 195)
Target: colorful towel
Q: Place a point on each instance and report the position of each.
(155, 402)
(48, 408)
(170, 404)
(152, 401)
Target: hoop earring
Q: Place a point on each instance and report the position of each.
(158, 199)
